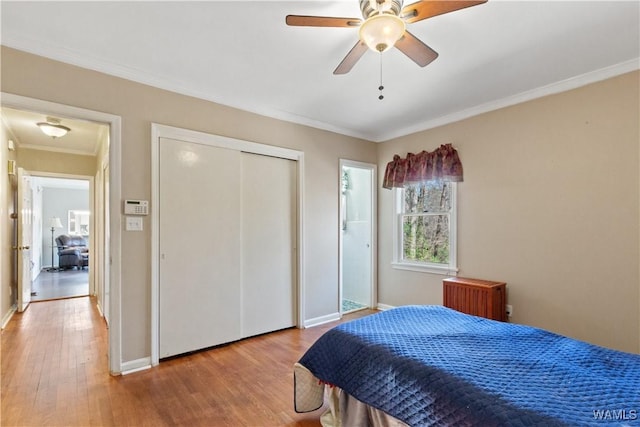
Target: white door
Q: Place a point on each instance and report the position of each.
(357, 236)
(268, 243)
(199, 274)
(25, 217)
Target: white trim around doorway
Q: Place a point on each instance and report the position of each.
(374, 230)
(115, 144)
(92, 225)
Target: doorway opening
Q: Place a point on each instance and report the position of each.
(47, 158)
(357, 236)
(61, 237)
(56, 199)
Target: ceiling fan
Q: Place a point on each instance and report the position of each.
(384, 26)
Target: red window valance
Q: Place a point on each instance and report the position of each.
(442, 164)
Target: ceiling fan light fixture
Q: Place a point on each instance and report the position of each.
(377, 7)
(380, 6)
(53, 128)
(381, 32)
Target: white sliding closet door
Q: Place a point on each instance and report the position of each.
(199, 266)
(268, 243)
(227, 245)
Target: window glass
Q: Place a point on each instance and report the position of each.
(434, 196)
(425, 230)
(426, 238)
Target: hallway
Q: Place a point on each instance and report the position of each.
(54, 365)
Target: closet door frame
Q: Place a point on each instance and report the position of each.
(163, 131)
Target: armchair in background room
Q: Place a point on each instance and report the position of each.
(72, 251)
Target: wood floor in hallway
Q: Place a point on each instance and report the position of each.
(54, 373)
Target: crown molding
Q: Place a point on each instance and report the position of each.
(72, 57)
(551, 89)
(58, 53)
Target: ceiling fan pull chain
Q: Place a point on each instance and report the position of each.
(380, 88)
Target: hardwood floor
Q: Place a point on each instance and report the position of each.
(54, 373)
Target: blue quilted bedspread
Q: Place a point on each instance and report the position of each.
(430, 365)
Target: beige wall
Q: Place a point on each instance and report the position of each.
(549, 204)
(52, 162)
(7, 284)
(139, 105)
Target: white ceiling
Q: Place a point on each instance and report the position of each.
(84, 138)
(242, 54)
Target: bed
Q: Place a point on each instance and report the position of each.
(431, 365)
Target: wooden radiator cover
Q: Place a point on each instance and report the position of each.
(477, 297)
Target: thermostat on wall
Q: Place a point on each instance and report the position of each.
(136, 207)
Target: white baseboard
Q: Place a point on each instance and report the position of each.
(321, 320)
(9, 315)
(384, 307)
(135, 365)
(99, 309)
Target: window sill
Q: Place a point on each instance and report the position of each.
(422, 268)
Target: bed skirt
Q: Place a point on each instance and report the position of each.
(343, 410)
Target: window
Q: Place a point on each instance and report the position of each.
(425, 227)
(78, 222)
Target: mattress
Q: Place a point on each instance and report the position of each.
(430, 365)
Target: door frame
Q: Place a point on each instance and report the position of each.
(163, 131)
(19, 102)
(92, 224)
(374, 229)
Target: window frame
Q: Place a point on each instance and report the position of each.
(400, 263)
(75, 221)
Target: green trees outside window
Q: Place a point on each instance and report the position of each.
(426, 212)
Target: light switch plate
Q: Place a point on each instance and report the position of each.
(133, 223)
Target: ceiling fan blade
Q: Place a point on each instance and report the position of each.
(428, 8)
(352, 57)
(321, 21)
(415, 49)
